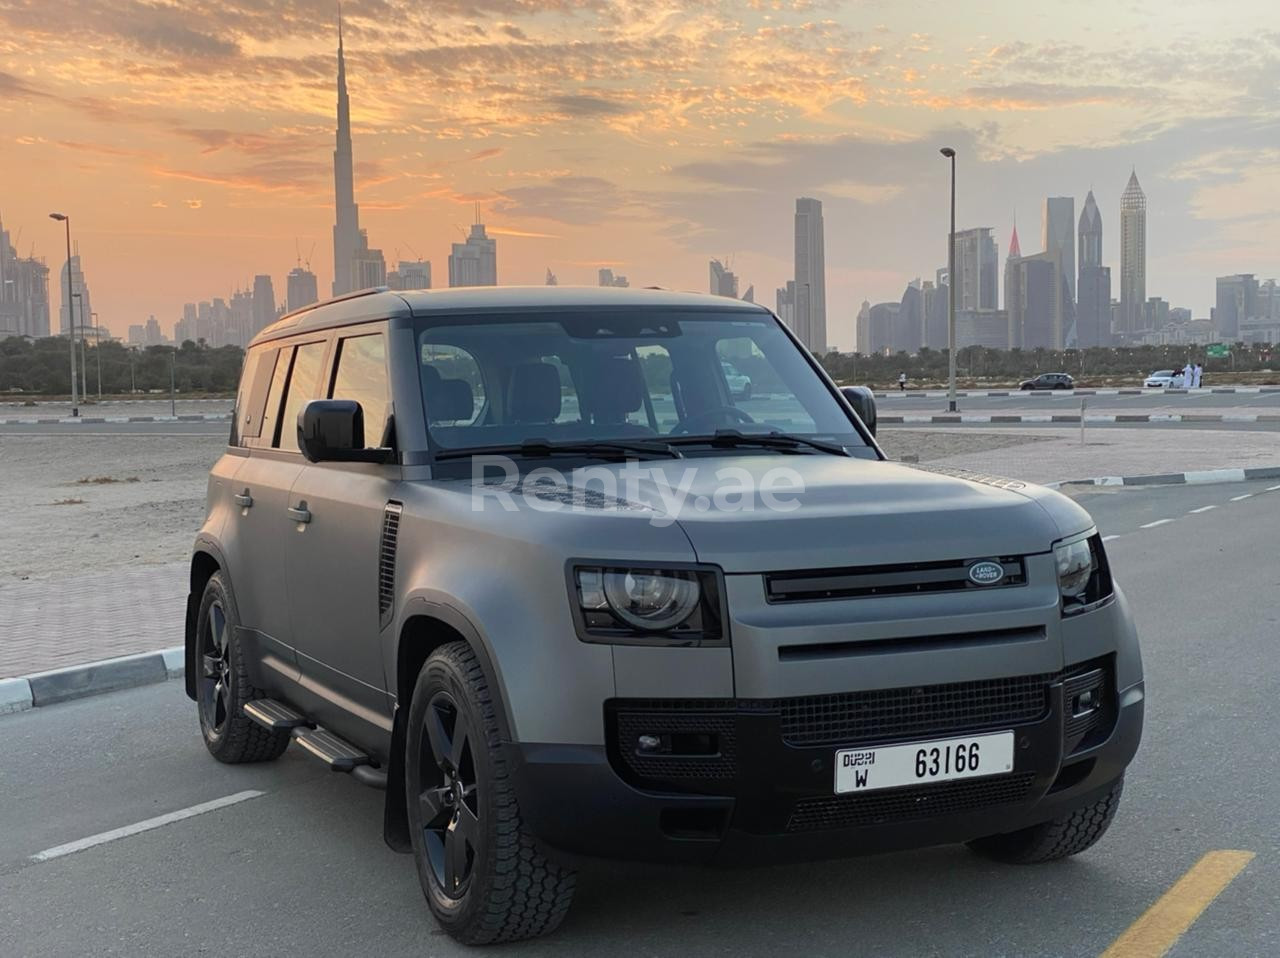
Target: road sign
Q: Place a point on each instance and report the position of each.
(1217, 351)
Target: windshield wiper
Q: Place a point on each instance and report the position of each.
(786, 442)
(534, 448)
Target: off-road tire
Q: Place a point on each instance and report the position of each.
(239, 739)
(1057, 838)
(514, 890)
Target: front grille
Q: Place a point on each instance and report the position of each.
(708, 766)
(908, 804)
(912, 578)
(857, 718)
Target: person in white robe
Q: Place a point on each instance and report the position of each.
(1195, 376)
(1187, 375)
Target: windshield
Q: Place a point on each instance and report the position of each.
(587, 376)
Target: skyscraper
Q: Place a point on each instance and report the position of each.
(810, 301)
(410, 274)
(607, 277)
(264, 303)
(976, 269)
(346, 227)
(723, 282)
(300, 288)
(1093, 281)
(551, 278)
(786, 299)
(1056, 226)
(475, 262)
(1133, 256)
(1237, 300)
(24, 292)
(79, 296)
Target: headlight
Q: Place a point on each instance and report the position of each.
(648, 604)
(1084, 578)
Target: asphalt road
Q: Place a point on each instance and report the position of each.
(301, 868)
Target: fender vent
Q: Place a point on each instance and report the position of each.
(387, 563)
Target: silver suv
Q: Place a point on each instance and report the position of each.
(529, 561)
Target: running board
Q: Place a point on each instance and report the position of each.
(339, 754)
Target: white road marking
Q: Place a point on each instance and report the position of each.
(1202, 509)
(1152, 525)
(71, 848)
(1247, 495)
(1109, 538)
(1272, 488)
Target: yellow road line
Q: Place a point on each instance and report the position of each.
(1161, 925)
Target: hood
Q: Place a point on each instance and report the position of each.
(763, 513)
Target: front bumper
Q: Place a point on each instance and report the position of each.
(754, 796)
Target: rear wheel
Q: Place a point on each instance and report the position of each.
(1059, 837)
(483, 875)
(223, 685)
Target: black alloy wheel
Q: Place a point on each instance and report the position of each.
(450, 802)
(215, 670)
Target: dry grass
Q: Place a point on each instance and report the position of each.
(104, 480)
(67, 502)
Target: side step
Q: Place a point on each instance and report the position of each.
(339, 754)
(274, 715)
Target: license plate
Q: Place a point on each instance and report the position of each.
(943, 760)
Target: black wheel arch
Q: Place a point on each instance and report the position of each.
(425, 626)
(206, 559)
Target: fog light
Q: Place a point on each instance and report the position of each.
(1086, 702)
(648, 743)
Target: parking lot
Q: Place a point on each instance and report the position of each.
(289, 860)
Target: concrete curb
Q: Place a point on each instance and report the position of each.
(94, 678)
(1130, 391)
(1175, 478)
(73, 421)
(946, 418)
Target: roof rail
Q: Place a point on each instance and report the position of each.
(356, 294)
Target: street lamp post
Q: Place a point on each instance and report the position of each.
(71, 330)
(950, 154)
(84, 363)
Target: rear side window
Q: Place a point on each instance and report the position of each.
(304, 383)
(251, 401)
(361, 374)
(271, 413)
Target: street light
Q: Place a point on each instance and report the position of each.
(950, 154)
(71, 329)
(84, 363)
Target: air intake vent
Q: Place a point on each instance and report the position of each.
(387, 563)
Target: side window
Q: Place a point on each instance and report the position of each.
(304, 382)
(275, 394)
(251, 400)
(361, 374)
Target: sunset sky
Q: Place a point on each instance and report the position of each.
(191, 142)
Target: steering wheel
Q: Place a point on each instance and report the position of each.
(710, 418)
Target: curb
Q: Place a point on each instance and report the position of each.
(94, 678)
(944, 418)
(1175, 478)
(77, 420)
(1121, 391)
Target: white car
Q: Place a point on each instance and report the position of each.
(1164, 379)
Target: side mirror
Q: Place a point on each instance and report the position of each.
(332, 430)
(863, 401)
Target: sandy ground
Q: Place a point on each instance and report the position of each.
(53, 523)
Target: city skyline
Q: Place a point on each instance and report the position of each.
(211, 154)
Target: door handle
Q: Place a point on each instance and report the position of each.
(243, 499)
(300, 513)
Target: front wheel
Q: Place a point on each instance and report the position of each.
(1060, 837)
(483, 875)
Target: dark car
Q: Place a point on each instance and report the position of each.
(1049, 381)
